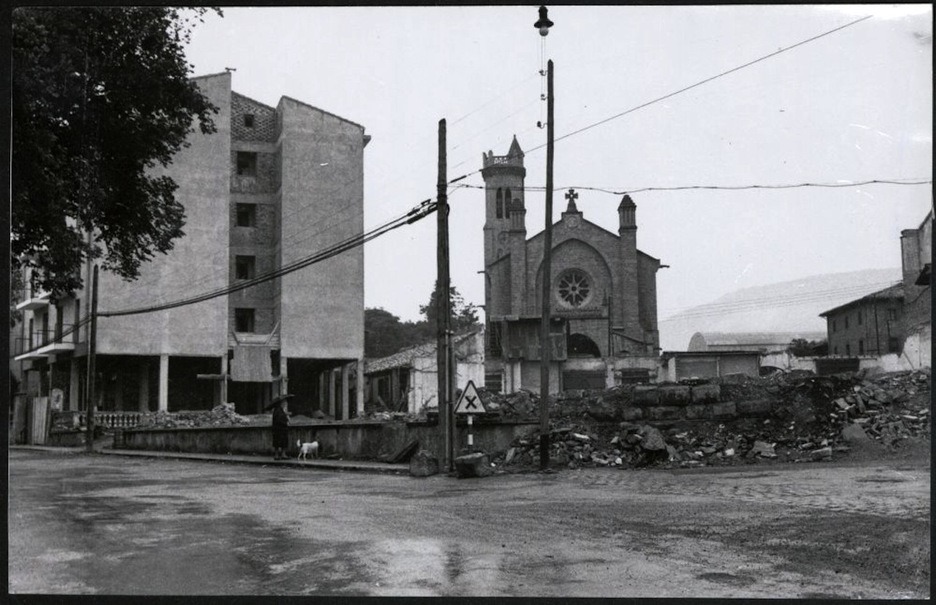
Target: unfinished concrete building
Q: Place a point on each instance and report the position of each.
(272, 186)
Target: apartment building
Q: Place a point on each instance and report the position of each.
(272, 186)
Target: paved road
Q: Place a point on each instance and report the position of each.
(91, 524)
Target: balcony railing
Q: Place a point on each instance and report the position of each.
(31, 300)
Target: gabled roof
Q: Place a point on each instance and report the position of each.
(406, 357)
(895, 292)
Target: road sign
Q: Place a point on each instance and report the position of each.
(469, 402)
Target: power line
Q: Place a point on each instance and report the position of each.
(817, 296)
(691, 86)
(625, 191)
(424, 209)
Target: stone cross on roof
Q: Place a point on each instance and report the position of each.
(571, 195)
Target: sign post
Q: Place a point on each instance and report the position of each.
(470, 404)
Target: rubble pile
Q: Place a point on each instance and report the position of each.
(222, 415)
(813, 417)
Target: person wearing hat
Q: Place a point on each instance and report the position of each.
(280, 427)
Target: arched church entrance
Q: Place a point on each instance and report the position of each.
(580, 345)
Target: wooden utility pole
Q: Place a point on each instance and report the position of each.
(443, 310)
(92, 349)
(545, 343)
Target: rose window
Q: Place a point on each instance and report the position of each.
(574, 288)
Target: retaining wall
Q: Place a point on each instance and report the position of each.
(349, 440)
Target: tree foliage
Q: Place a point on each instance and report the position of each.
(102, 99)
(464, 315)
(800, 347)
(385, 334)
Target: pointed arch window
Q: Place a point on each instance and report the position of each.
(500, 203)
(507, 203)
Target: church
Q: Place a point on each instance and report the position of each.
(603, 309)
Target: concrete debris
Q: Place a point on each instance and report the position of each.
(473, 465)
(222, 415)
(812, 418)
(423, 464)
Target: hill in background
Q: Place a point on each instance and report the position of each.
(791, 306)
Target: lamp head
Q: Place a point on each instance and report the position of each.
(543, 24)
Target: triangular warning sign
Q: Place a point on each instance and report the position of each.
(469, 402)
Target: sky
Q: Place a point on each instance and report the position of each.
(851, 106)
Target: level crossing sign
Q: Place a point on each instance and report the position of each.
(469, 402)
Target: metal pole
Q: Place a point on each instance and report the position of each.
(547, 286)
(92, 350)
(443, 312)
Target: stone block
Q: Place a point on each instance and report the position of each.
(652, 439)
(706, 393)
(674, 395)
(664, 413)
(646, 396)
(723, 410)
(423, 464)
(757, 407)
(629, 414)
(473, 465)
(698, 412)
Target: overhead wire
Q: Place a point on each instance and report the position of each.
(741, 306)
(424, 209)
(695, 85)
(627, 191)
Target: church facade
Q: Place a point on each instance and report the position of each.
(602, 300)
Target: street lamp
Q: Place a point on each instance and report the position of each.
(543, 25)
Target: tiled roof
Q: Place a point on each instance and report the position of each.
(890, 293)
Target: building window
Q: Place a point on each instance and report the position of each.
(249, 120)
(848, 350)
(574, 288)
(892, 314)
(244, 320)
(494, 340)
(246, 215)
(846, 322)
(861, 346)
(244, 267)
(860, 318)
(500, 203)
(246, 163)
(835, 350)
(834, 326)
(494, 382)
(893, 345)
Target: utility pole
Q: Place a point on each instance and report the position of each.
(545, 343)
(92, 349)
(443, 310)
(543, 24)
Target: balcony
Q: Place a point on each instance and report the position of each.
(32, 300)
(44, 343)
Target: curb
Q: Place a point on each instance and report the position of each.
(331, 465)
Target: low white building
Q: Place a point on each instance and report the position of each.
(408, 381)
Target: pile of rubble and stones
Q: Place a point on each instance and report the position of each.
(810, 418)
(222, 415)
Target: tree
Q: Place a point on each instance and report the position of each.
(102, 98)
(385, 334)
(800, 347)
(464, 315)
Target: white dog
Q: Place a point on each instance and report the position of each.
(307, 448)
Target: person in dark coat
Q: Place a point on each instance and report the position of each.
(280, 427)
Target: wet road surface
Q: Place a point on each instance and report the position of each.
(91, 524)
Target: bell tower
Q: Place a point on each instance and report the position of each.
(503, 196)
